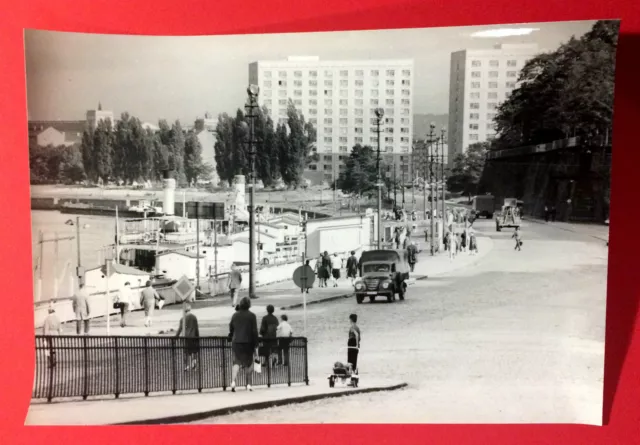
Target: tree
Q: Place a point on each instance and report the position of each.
(103, 150)
(123, 155)
(467, 169)
(71, 167)
(176, 152)
(360, 175)
(267, 156)
(223, 148)
(194, 168)
(160, 156)
(568, 92)
(86, 148)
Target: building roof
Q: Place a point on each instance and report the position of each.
(182, 253)
(122, 269)
(62, 126)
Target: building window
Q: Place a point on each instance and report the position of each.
(297, 73)
(390, 82)
(391, 73)
(494, 63)
(358, 102)
(512, 63)
(344, 131)
(313, 167)
(344, 121)
(388, 111)
(388, 120)
(373, 140)
(282, 93)
(327, 167)
(389, 139)
(267, 74)
(343, 149)
(328, 130)
(359, 83)
(282, 102)
(405, 112)
(313, 83)
(358, 111)
(344, 83)
(389, 92)
(344, 112)
(344, 73)
(358, 140)
(359, 93)
(328, 102)
(405, 102)
(313, 120)
(473, 137)
(475, 74)
(476, 63)
(474, 116)
(328, 139)
(328, 112)
(475, 95)
(373, 121)
(493, 95)
(313, 73)
(474, 105)
(282, 83)
(475, 84)
(328, 83)
(406, 73)
(267, 84)
(406, 82)
(282, 74)
(390, 130)
(375, 73)
(404, 130)
(404, 140)
(406, 93)
(494, 73)
(473, 126)
(358, 120)
(328, 73)
(297, 83)
(358, 130)
(511, 84)
(373, 130)
(492, 106)
(268, 102)
(297, 93)
(313, 102)
(283, 111)
(328, 121)
(388, 148)
(404, 121)
(374, 93)
(512, 74)
(491, 116)
(343, 139)
(389, 102)
(344, 93)
(491, 126)
(359, 73)
(344, 102)
(373, 102)
(327, 92)
(313, 111)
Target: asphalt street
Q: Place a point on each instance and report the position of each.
(516, 338)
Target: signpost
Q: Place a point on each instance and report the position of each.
(108, 272)
(303, 277)
(184, 288)
(206, 210)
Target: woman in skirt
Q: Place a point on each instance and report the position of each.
(353, 343)
(243, 331)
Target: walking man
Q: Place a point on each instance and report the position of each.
(51, 326)
(413, 255)
(352, 267)
(80, 303)
(517, 236)
(125, 303)
(189, 326)
(235, 280)
(148, 299)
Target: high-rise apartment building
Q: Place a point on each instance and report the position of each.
(339, 98)
(480, 80)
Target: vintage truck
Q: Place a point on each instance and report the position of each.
(383, 273)
(509, 216)
(483, 205)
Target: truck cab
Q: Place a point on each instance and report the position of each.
(382, 273)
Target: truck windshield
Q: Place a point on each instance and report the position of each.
(376, 268)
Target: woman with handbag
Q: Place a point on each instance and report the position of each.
(124, 302)
(243, 332)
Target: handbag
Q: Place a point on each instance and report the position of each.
(257, 366)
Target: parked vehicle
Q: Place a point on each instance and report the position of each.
(509, 215)
(483, 205)
(383, 273)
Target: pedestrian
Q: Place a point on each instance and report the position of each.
(81, 309)
(50, 327)
(243, 331)
(517, 236)
(148, 298)
(284, 333)
(336, 264)
(189, 326)
(463, 240)
(352, 267)
(124, 303)
(320, 271)
(473, 244)
(453, 246)
(353, 343)
(235, 280)
(412, 254)
(326, 267)
(269, 332)
(306, 263)
(553, 213)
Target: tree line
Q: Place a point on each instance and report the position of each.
(124, 153)
(282, 150)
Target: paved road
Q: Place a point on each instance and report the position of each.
(517, 338)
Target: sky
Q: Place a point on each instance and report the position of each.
(156, 77)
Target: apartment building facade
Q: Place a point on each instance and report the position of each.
(340, 98)
(479, 81)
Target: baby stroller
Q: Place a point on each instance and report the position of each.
(344, 373)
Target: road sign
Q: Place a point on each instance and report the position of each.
(184, 288)
(304, 277)
(206, 210)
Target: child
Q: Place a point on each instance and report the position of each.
(284, 332)
(518, 238)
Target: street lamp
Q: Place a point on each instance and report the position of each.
(443, 132)
(251, 108)
(432, 128)
(379, 115)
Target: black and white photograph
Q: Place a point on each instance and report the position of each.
(364, 227)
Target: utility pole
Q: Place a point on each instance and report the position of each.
(379, 115)
(395, 181)
(430, 151)
(252, 105)
(413, 195)
(403, 184)
(79, 270)
(444, 182)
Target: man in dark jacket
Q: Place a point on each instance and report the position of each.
(268, 331)
(412, 251)
(352, 267)
(189, 328)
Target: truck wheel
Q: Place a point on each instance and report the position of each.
(497, 227)
(359, 299)
(403, 291)
(389, 298)
(490, 216)
(372, 299)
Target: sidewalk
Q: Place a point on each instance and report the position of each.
(217, 311)
(594, 230)
(183, 408)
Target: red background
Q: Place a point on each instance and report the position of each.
(193, 17)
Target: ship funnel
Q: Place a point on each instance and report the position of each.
(169, 188)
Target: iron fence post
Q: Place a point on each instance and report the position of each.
(306, 362)
(174, 364)
(51, 371)
(268, 363)
(197, 340)
(117, 354)
(288, 342)
(146, 366)
(224, 363)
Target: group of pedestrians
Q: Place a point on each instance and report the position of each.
(329, 267)
(464, 241)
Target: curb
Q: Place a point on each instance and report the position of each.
(544, 223)
(192, 417)
(319, 300)
(478, 258)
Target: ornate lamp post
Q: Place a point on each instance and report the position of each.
(251, 114)
(379, 115)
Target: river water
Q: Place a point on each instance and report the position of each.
(95, 233)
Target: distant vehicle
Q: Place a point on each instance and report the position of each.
(383, 273)
(509, 215)
(145, 206)
(483, 205)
